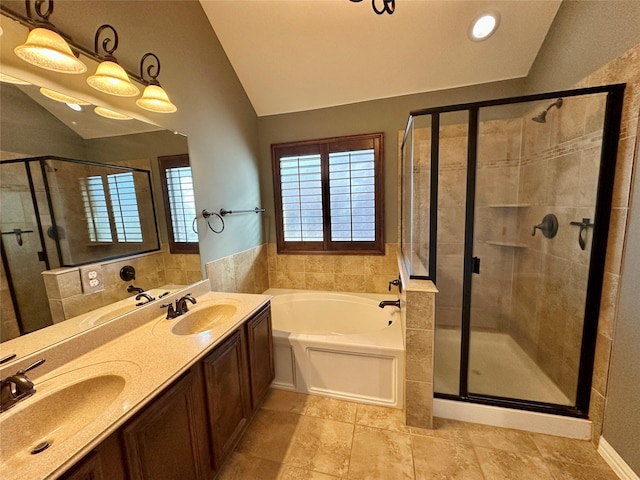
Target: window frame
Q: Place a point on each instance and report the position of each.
(324, 147)
(165, 163)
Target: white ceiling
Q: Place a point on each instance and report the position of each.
(296, 55)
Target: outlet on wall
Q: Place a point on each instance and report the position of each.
(92, 279)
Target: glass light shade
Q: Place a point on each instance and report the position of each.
(112, 79)
(61, 97)
(46, 49)
(9, 79)
(105, 112)
(155, 99)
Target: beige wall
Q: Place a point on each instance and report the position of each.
(621, 420)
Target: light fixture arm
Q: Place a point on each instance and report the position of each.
(388, 6)
(32, 23)
(38, 8)
(153, 75)
(106, 42)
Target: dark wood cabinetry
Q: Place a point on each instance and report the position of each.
(260, 346)
(168, 439)
(103, 463)
(227, 385)
(190, 429)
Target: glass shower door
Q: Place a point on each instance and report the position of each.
(534, 211)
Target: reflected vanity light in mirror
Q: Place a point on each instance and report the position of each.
(106, 113)
(61, 97)
(9, 79)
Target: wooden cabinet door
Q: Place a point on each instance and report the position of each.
(260, 355)
(168, 440)
(105, 462)
(226, 377)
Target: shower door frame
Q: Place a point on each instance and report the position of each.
(608, 154)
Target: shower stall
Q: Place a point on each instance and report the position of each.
(505, 206)
(58, 212)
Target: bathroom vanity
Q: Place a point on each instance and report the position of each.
(166, 399)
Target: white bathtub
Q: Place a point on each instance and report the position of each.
(338, 345)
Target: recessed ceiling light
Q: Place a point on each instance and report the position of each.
(484, 26)
(74, 106)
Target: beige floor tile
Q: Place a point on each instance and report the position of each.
(270, 434)
(380, 454)
(501, 439)
(381, 417)
(321, 445)
(330, 409)
(572, 471)
(436, 459)
(289, 472)
(241, 466)
(568, 450)
(285, 401)
(445, 429)
(503, 465)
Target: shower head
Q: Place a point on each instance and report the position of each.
(542, 116)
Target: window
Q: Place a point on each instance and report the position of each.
(180, 204)
(123, 217)
(329, 196)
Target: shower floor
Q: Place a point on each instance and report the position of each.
(497, 366)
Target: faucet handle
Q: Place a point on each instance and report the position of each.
(171, 313)
(35, 364)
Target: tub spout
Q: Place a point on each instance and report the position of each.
(389, 303)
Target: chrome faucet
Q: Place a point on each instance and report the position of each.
(181, 306)
(16, 388)
(146, 296)
(389, 303)
(131, 289)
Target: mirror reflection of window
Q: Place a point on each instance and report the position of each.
(180, 204)
(95, 209)
(124, 205)
(123, 216)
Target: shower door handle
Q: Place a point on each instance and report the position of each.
(475, 265)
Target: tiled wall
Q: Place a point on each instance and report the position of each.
(244, 272)
(257, 269)
(559, 175)
(64, 289)
(625, 68)
(8, 323)
(341, 273)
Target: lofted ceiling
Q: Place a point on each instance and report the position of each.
(296, 55)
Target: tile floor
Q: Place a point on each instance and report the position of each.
(302, 437)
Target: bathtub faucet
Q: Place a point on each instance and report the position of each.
(389, 303)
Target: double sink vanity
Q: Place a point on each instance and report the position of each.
(141, 396)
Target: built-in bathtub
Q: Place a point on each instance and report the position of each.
(338, 345)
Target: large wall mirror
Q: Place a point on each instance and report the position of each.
(61, 167)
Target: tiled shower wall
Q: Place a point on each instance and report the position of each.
(558, 175)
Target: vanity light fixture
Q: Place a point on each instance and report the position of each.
(9, 79)
(61, 97)
(484, 25)
(105, 112)
(46, 48)
(154, 98)
(110, 77)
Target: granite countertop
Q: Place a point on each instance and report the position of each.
(125, 363)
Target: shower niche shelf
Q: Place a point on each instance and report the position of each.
(506, 244)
